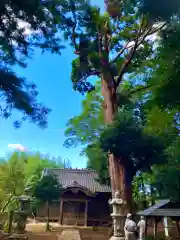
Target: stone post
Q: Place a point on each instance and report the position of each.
(117, 215)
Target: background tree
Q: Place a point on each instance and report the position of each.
(18, 172)
(46, 190)
(12, 180)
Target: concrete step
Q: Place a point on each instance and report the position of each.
(69, 234)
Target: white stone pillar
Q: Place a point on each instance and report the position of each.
(117, 215)
(166, 230)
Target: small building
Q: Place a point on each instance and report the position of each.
(161, 212)
(84, 201)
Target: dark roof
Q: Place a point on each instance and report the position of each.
(163, 208)
(150, 211)
(83, 177)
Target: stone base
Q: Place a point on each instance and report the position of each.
(17, 236)
(117, 238)
(3, 234)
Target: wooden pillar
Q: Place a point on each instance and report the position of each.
(146, 227)
(86, 213)
(61, 212)
(155, 227)
(177, 228)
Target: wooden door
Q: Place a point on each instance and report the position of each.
(70, 213)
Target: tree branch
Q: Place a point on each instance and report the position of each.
(129, 58)
(139, 40)
(93, 73)
(121, 52)
(74, 37)
(143, 88)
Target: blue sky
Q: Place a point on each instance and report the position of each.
(51, 73)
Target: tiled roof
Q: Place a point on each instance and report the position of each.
(84, 177)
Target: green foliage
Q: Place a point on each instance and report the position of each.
(98, 160)
(47, 189)
(166, 177)
(19, 172)
(35, 164)
(155, 9)
(102, 45)
(16, 93)
(118, 47)
(140, 135)
(89, 124)
(41, 18)
(12, 175)
(25, 26)
(167, 72)
(126, 138)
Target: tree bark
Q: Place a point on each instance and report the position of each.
(120, 179)
(47, 223)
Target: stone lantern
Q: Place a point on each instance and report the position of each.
(117, 215)
(21, 217)
(22, 213)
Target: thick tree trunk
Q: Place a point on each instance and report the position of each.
(120, 179)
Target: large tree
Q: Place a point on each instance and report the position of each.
(88, 127)
(113, 47)
(126, 137)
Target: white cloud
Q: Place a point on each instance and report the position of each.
(17, 146)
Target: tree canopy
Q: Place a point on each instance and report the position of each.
(47, 189)
(154, 9)
(157, 11)
(24, 27)
(102, 47)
